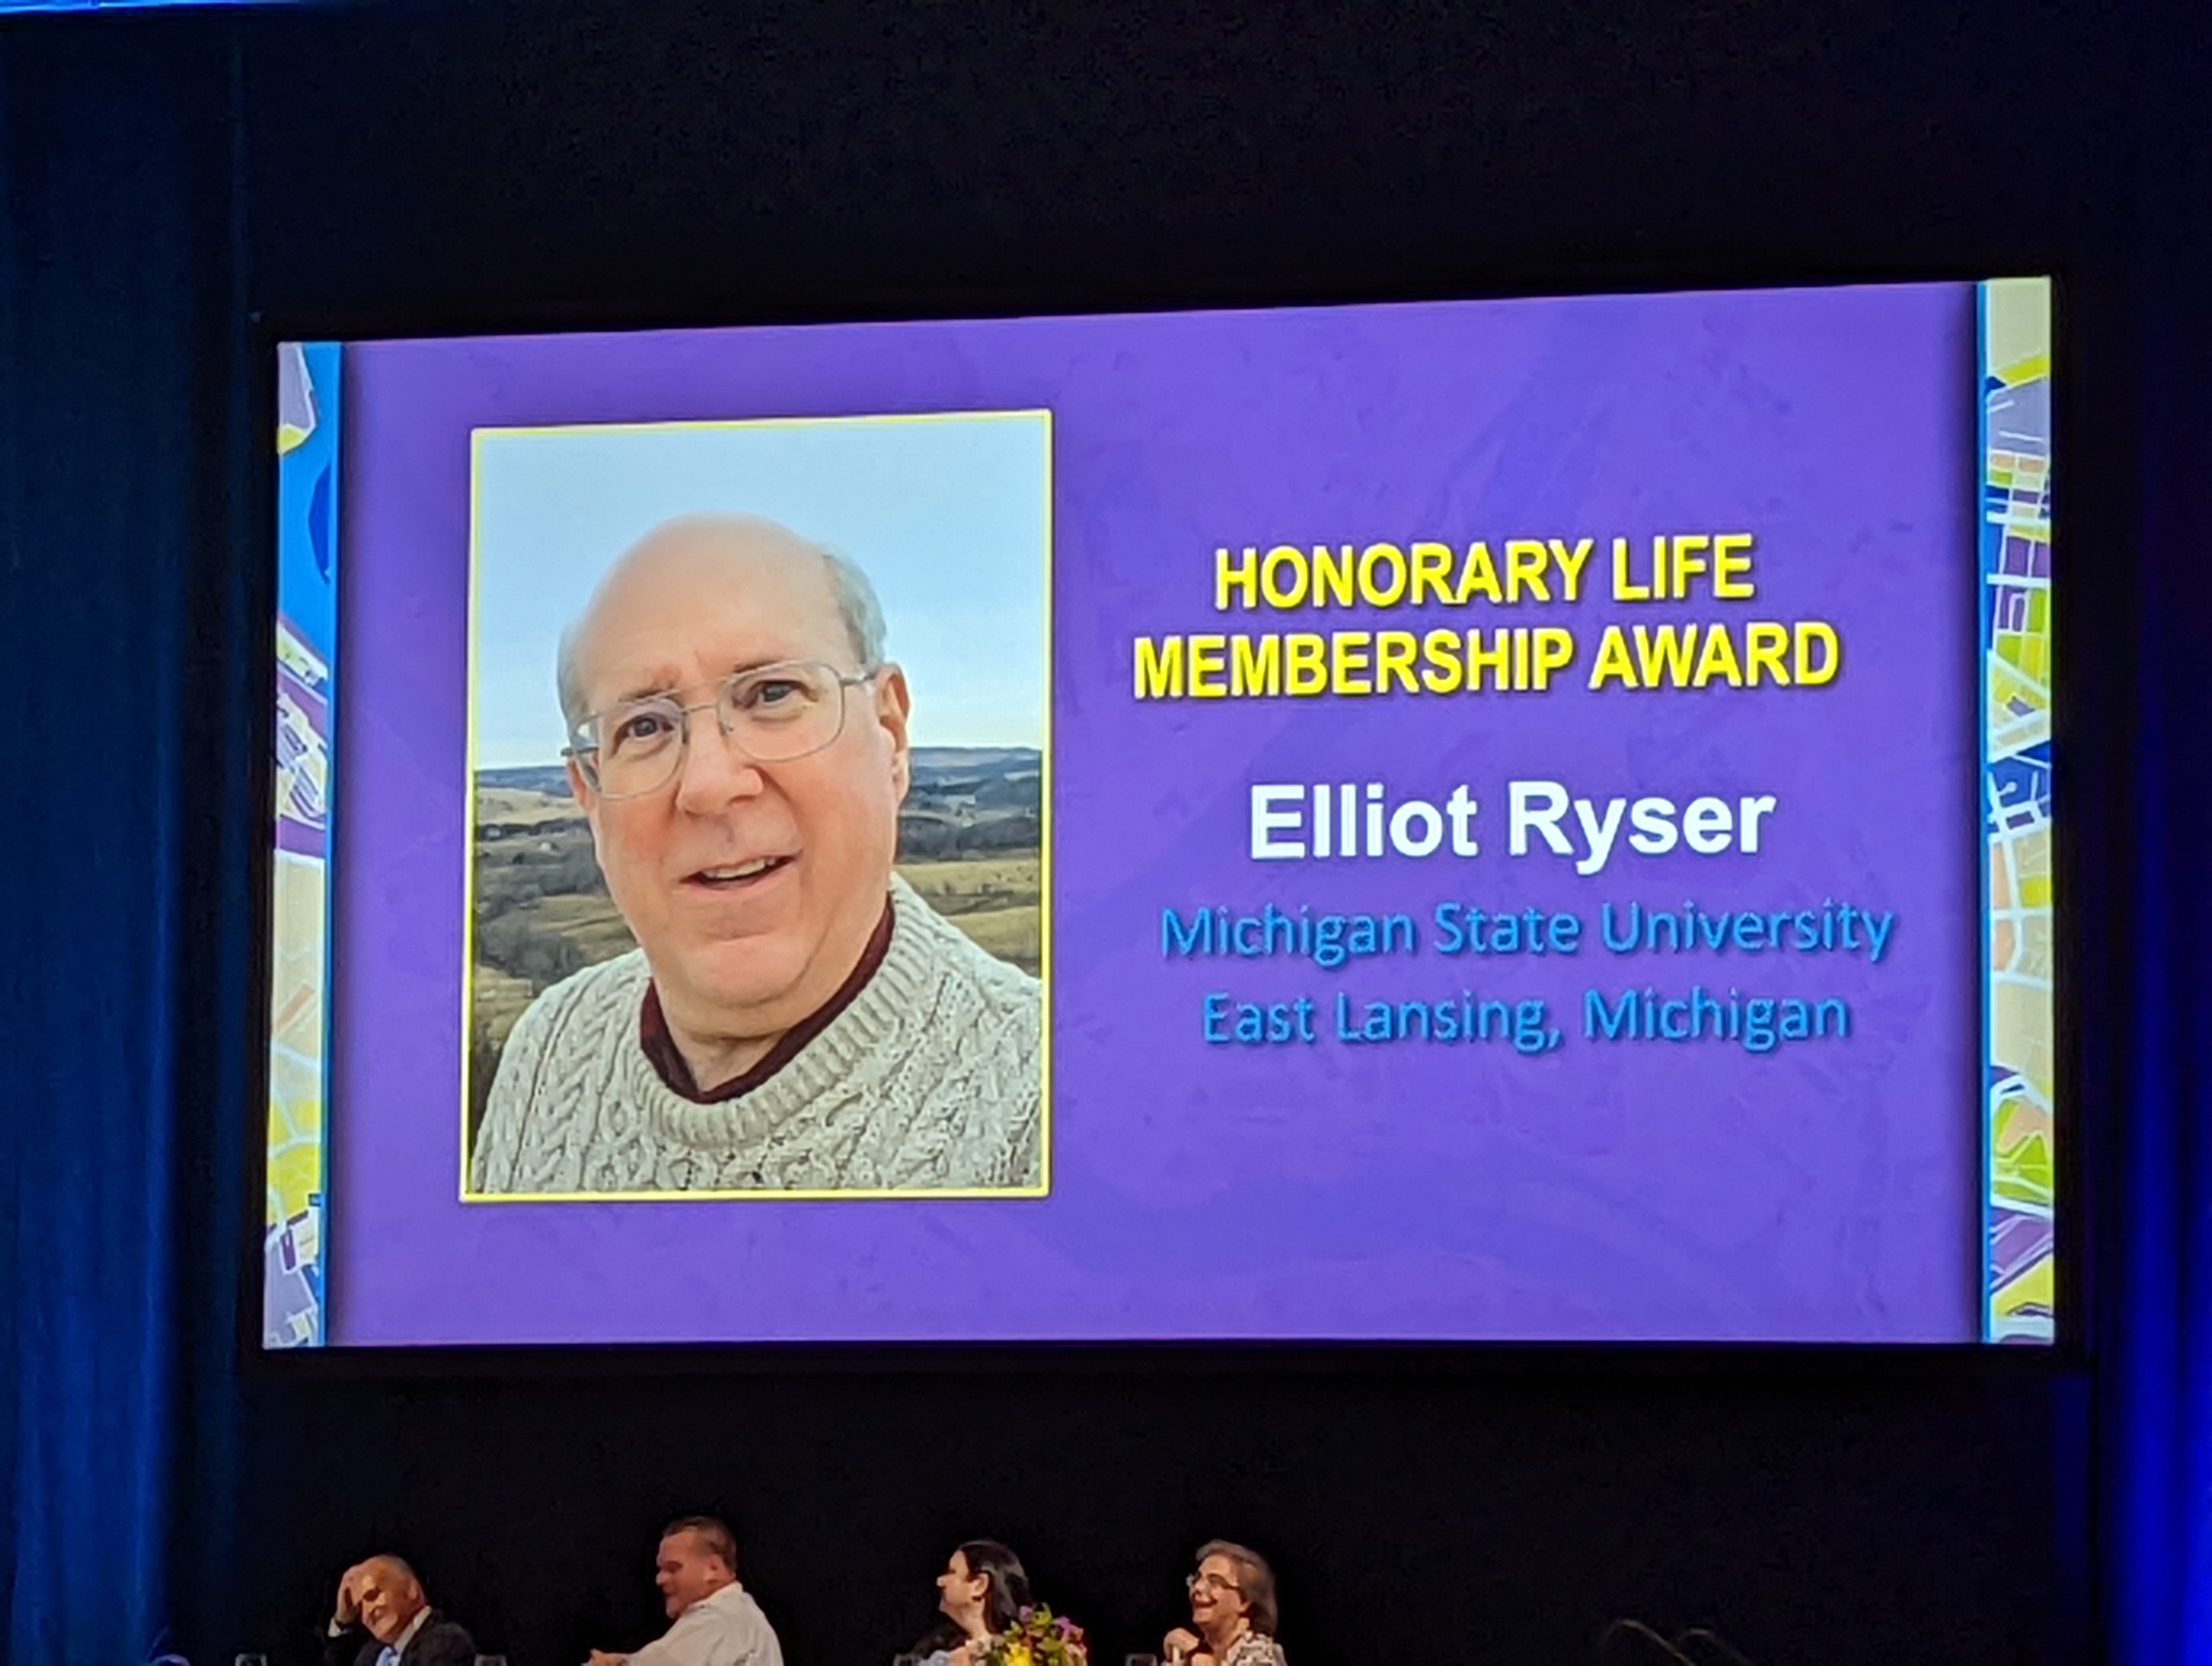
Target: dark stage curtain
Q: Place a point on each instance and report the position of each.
(2154, 1192)
(119, 619)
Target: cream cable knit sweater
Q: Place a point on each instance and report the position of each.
(928, 1081)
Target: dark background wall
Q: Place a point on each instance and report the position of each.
(1830, 1514)
(409, 168)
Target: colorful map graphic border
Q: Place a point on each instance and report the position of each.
(293, 1304)
(2019, 1010)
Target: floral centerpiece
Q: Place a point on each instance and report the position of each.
(1039, 1636)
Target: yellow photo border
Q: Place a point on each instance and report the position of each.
(857, 1194)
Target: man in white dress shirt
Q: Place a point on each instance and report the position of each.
(717, 1623)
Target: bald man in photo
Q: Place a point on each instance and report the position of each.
(795, 1017)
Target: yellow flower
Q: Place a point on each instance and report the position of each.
(1018, 1654)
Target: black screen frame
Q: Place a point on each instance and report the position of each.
(2078, 1164)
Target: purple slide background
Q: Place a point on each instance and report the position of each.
(1603, 1191)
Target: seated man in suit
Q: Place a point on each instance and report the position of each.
(383, 1619)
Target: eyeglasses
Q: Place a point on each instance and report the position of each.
(769, 715)
(1213, 1582)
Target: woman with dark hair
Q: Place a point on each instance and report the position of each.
(981, 1593)
(1232, 1611)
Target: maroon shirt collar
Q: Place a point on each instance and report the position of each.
(667, 1062)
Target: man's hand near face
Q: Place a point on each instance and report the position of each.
(347, 1615)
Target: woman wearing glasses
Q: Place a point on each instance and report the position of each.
(1232, 1611)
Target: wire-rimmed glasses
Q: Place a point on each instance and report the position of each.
(768, 715)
